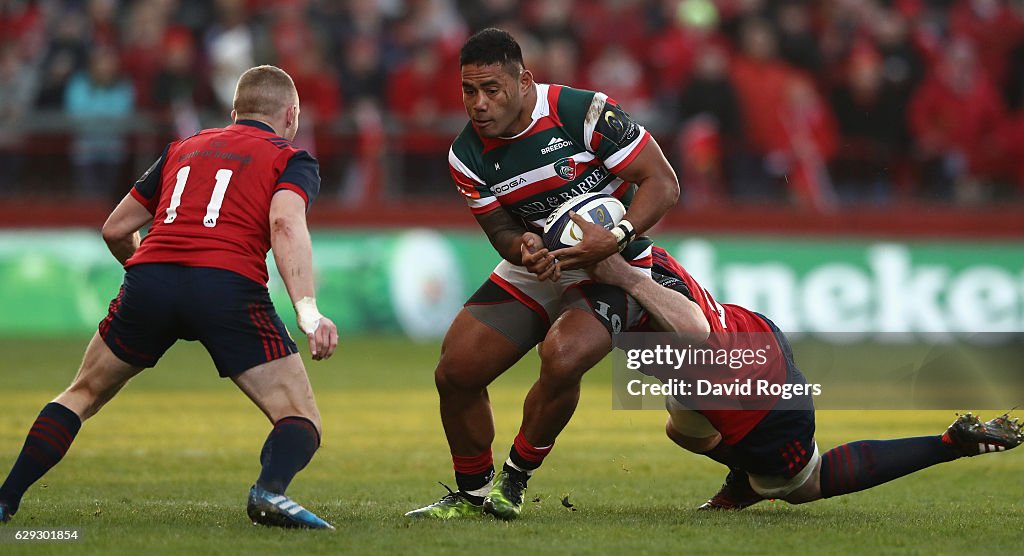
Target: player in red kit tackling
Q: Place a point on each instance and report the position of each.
(218, 201)
(771, 452)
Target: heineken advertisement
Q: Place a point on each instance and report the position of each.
(413, 282)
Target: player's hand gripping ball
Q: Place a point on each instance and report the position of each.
(600, 208)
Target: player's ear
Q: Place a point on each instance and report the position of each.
(291, 115)
(234, 115)
(526, 80)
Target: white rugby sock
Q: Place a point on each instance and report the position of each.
(529, 472)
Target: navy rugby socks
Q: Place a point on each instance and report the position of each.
(47, 442)
(868, 463)
(288, 449)
(722, 453)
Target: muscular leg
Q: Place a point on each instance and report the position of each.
(100, 377)
(281, 389)
(576, 342)
(472, 356)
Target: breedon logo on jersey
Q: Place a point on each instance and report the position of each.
(566, 168)
(554, 144)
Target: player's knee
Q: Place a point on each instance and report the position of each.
(451, 377)
(697, 445)
(808, 492)
(562, 362)
(314, 418)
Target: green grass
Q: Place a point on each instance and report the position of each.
(165, 468)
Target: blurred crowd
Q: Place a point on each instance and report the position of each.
(817, 103)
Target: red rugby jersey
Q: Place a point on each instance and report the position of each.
(210, 197)
(734, 424)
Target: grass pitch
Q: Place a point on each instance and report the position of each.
(165, 468)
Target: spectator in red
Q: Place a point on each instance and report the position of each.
(320, 91)
(145, 38)
(761, 80)
(811, 142)
(994, 28)
(672, 51)
(422, 100)
(23, 24)
(951, 117)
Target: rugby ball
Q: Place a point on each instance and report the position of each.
(600, 208)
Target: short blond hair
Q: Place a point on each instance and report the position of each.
(264, 90)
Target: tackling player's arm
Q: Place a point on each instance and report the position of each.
(517, 245)
(670, 310)
(121, 230)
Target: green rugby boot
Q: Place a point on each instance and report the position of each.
(454, 505)
(505, 501)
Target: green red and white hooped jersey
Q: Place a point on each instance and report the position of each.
(576, 143)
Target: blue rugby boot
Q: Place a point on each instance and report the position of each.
(5, 513)
(277, 510)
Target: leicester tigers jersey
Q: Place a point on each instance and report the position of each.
(575, 144)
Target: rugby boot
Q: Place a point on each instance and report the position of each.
(453, 505)
(972, 437)
(735, 494)
(505, 501)
(277, 510)
(5, 513)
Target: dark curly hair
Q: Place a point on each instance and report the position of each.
(492, 46)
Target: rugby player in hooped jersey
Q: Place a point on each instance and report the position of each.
(772, 453)
(217, 201)
(528, 148)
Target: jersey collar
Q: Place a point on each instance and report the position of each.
(540, 110)
(257, 124)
